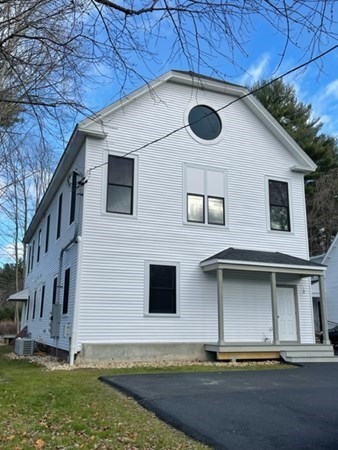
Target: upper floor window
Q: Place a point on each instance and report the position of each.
(39, 247)
(205, 196)
(120, 185)
(205, 122)
(32, 260)
(47, 233)
(279, 205)
(58, 227)
(73, 198)
(29, 258)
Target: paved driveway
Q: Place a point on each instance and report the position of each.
(273, 409)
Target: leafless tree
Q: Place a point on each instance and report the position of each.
(323, 212)
(24, 173)
(49, 47)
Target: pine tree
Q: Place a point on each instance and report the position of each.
(296, 118)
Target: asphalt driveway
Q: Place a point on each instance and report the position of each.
(272, 409)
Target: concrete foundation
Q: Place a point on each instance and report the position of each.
(144, 352)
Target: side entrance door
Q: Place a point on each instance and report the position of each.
(286, 311)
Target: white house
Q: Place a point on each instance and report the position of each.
(175, 227)
(330, 259)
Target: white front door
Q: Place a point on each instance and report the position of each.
(286, 312)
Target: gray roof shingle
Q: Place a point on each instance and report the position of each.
(233, 254)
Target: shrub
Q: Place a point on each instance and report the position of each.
(7, 327)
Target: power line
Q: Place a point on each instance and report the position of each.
(251, 92)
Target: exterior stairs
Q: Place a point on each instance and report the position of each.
(320, 353)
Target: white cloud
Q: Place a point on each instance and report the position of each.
(256, 71)
(332, 89)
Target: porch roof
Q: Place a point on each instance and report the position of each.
(261, 261)
(20, 296)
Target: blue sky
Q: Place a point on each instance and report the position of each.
(318, 84)
(263, 46)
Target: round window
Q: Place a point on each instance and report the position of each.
(205, 122)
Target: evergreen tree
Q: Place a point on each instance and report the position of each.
(296, 118)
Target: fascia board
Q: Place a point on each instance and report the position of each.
(307, 165)
(123, 102)
(236, 263)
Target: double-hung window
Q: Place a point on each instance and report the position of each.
(279, 205)
(59, 221)
(162, 286)
(205, 196)
(66, 286)
(120, 189)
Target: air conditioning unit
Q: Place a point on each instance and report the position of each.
(24, 346)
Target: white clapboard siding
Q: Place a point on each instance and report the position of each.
(331, 281)
(116, 247)
(46, 270)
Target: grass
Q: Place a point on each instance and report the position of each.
(71, 409)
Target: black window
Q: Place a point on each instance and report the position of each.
(205, 122)
(29, 258)
(120, 185)
(55, 285)
(42, 302)
(58, 228)
(28, 305)
(39, 247)
(32, 260)
(66, 292)
(162, 289)
(47, 233)
(34, 306)
(73, 198)
(279, 205)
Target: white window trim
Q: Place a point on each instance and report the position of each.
(104, 211)
(209, 104)
(267, 205)
(147, 265)
(185, 193)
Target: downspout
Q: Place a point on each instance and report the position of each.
(72, 347)
(72, 242)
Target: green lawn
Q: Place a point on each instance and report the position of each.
(72, 409)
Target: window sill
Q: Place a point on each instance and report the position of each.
(171, 316)
(199, 224)
(283, 233)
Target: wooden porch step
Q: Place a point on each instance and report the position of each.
(234, 356)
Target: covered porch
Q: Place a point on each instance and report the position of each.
(286, 340)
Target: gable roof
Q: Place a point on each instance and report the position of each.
(331, 249)
(198, 81)
(88, 127)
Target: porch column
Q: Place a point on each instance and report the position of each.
(274, 308)
(323, 310)
(220, 304)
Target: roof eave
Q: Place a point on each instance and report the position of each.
(214, 264)
(74, 144)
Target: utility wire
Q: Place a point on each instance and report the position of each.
(176, 130)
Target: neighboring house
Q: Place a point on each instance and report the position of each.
(330, 259)
(151, 243)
